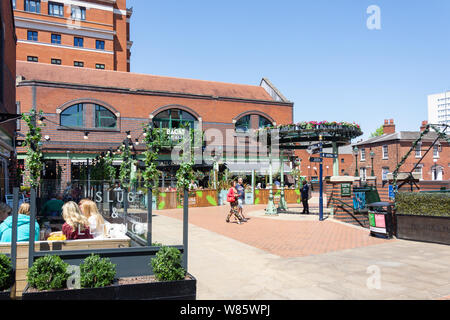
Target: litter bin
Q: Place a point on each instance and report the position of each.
(381, 219)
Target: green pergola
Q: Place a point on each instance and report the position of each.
(303, 136)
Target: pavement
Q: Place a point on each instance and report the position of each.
(297, 257)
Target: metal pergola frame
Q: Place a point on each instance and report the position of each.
(297, 138)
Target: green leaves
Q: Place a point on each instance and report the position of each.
(34, 160)
(184, 176)
(6, 272)
(97, 272)
(51, 273)
(126, 165)
(424, 204)
(110, 171)
(48, 273)
(167, 265)
(154, 141)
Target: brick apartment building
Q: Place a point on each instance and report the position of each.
(310, 170)
(388, 149)
(7, 96)
(103, 106)
(84, 33)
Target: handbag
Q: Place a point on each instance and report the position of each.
(230, 196)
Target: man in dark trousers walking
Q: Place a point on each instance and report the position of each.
(305, 192)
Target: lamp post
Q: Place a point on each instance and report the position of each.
(372, 156)
(356, 152)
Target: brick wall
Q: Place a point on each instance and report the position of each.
(99, 18)
(343, 205)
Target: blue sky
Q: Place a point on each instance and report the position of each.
(319, 53)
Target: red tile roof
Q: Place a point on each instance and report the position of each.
(116, 79)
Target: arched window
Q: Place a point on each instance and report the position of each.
(73, 116)
(246, 123)
(243, 124)
(173, 119)
(104, 118)
(264, 122)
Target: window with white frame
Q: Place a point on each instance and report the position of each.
(78, 13)
(385, 152)
(418, 150)
(363, 173)
(436, 151)
(363, 154)
(419, 170)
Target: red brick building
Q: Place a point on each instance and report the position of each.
(310, 170)
(104, 105)
(84, 33)
(7, 95)
(388, 150)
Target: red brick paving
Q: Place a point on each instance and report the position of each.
(280, 237)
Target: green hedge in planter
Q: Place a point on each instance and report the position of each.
(48, 273)
(97, 272)
(167, 265)
(5, 272)
(423, 204)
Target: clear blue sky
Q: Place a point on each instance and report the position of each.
(319, 53)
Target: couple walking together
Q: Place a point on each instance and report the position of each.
(236, 197)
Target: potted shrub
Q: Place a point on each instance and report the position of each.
(48, 279)
(423, 216)
(6, 277)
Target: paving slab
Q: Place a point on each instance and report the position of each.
(275, 258)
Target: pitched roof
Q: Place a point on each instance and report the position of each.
(401, 136)
(135, 81)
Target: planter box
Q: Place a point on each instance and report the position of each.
(423, 228)
(5, 295)
(171, 290)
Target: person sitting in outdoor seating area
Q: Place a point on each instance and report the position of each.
(23, 224)
(76, 225)
(97, 224)
(53, 207)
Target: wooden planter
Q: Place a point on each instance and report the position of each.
(171, 290)
(423, 228)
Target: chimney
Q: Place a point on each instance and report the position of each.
(389, 126)
(424, 125)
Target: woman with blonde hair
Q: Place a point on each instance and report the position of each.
(24, 209)
(23, 225)
(76, 225)
(96, 222)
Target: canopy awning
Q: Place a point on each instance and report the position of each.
(259, 167)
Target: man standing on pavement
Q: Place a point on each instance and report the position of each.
(305, 192)
(241, 198)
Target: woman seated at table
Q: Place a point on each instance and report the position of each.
(76, 225)
(97, 224)
(23, 224)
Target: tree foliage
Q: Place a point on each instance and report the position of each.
(379, 132)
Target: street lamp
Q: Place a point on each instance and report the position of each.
(356, 152)
(372, 155)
